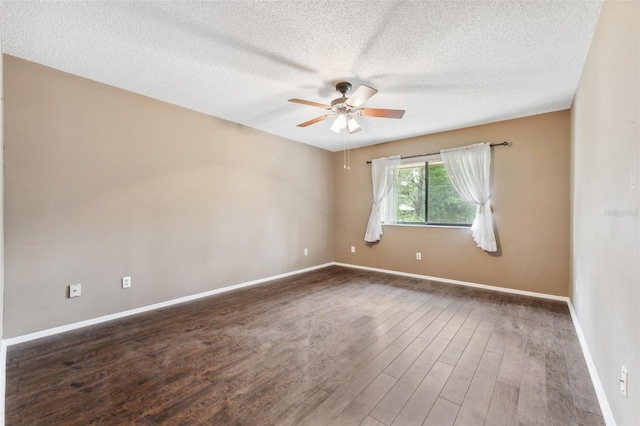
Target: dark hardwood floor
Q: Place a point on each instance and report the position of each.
(334, 346)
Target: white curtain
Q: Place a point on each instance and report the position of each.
(469, 169)
(384, 172)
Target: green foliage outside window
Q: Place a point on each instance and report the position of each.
(444, 203)
(411, 190)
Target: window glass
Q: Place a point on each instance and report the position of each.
(425, 195)
(444, 204)
(411, 194)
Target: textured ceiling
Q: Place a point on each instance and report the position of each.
(448, 64)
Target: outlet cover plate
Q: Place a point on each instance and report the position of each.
(126, 282)
(75, 290)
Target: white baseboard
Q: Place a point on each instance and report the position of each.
(105, 318)
(3, 378)
(597, 384)
(602, 399)
(457, 282)
(4, 343)
(74, 326)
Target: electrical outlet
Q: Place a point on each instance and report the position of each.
(418, 256)
(75, 290)
(353, 249)
(624, 378)
(306, 252)
(126, 282)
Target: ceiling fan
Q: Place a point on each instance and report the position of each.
(344, 108)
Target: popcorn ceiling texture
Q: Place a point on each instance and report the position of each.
(448, 64)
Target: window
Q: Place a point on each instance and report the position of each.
(425, 196)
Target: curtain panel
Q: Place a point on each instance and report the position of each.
(469, 169)
(384, 174)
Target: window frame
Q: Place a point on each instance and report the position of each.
(425, 160)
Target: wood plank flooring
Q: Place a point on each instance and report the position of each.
(335, 346)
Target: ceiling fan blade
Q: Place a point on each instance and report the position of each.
(313, 104)
(361, 95)
(314, 121)
(382, 113)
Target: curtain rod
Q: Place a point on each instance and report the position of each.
(436, 153)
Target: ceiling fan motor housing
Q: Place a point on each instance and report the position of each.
(339, 105)
(343, 87)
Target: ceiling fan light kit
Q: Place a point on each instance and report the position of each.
(353, 126)
(344, 108)
(339, 124)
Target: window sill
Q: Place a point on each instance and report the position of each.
(420, 225)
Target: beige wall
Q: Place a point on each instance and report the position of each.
(102, 183)
(530, 203)
(605, 188)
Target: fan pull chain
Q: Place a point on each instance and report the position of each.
(346, 160)
(348, 157)
(344, 150)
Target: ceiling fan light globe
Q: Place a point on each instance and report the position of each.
(336, 127)
(353, 126)
(339, 124)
